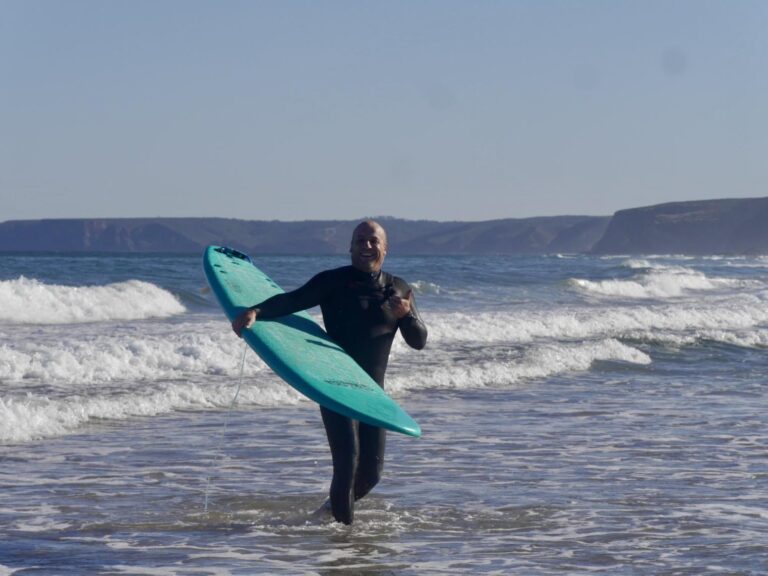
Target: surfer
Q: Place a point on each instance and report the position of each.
(363, 307)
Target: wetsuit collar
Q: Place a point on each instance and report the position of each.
(370, 276)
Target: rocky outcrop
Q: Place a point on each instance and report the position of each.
(734, 226)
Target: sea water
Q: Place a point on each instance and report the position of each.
(581, 415)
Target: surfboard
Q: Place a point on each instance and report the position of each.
(298, 350)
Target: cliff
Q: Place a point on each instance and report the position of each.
(734, 226)
(190, 235)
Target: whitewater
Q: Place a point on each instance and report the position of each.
(580, 414)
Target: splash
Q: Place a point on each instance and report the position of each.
(657, 282)
(29, 301)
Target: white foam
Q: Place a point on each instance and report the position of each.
(88, 355)
(537, 362)
(743, 315)
(653, 262)
(757, 262)
(743, 339)
(424, 287)
(41, 524)
(29, 301)
(57, 380)
(637, 264)
(61, 357)
(58, 377)
(36, 416)
(658, 282)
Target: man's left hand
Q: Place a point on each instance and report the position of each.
(401, 306)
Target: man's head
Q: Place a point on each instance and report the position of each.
(369, 246)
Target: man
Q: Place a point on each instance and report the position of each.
(363, 308)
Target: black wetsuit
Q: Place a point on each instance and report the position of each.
(356, 316)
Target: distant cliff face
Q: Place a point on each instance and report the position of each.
(703, 227)
(572, 234)
(139, 235)
(569, 234)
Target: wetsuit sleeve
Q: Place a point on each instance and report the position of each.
(411, 326)
(307, 296)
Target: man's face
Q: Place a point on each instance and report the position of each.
(369, 246)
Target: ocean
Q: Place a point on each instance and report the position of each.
(580, 415)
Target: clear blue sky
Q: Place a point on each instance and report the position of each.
(435, 109)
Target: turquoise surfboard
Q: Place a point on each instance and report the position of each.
(298, 349)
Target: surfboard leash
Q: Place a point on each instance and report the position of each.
(218, 454)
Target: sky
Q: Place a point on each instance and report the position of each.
(419, 109)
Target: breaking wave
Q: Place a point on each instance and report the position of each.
(29, 301)
(657, 282)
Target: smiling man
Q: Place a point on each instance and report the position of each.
(363, 307)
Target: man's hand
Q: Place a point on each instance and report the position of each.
(401, 306)
(244, 321)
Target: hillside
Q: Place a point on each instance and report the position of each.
(188, 235)
(731, 226)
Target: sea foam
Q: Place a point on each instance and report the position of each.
(658, 282)
(33, 416)
(747, 314)
(71, 356)
(87, 354)
(29, 301)
(537, 362)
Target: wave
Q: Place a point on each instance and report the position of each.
(120, 380)
(421, 287)
(80, 357)
(39, 416)
(637, 264)
(29, 301)
(56, 379)
(88, 354)
(537, 362)
(755, 262)
(69, 375)
(742, 315)
(740, 338)
(658, 282)
(651, 264)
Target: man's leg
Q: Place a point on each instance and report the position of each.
(371, 461)
(345, 450)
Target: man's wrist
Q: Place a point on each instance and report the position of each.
(407, 315)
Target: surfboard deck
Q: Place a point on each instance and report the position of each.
(298, 350)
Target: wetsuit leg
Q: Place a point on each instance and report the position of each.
(372, 441)
(343, 439)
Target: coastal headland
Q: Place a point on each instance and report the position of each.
(728, 226)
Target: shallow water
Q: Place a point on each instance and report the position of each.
(569, 428)
(568, 478)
